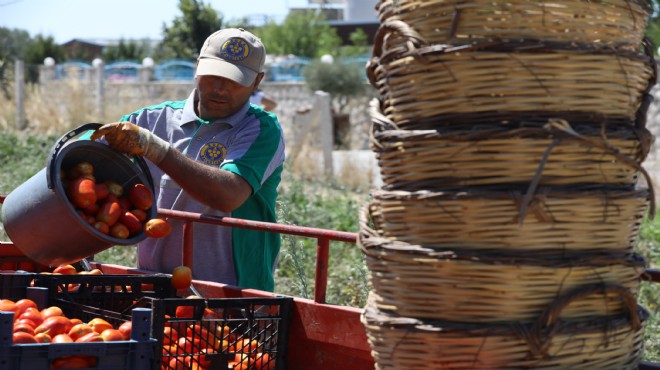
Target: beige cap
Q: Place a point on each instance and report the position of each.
(233, 53)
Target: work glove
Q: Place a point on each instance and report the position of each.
(132, 139)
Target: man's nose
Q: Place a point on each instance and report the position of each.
(219, 84)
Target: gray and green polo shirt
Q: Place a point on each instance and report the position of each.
(249, 143)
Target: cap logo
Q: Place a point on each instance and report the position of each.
(235, 49)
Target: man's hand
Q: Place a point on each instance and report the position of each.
(131, 139)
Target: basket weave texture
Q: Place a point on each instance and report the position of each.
(555, 221)
(612, 342)
(418, 80)
(615, 23)
(414, 281)
(555, 152)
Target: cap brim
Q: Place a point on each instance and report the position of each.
(221, 68)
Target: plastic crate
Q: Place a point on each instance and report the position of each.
(139, 353)
(113, 297)
(13, 284)
(223, 325)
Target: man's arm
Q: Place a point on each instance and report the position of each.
(215, 187)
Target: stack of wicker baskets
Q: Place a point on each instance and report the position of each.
(510, 137)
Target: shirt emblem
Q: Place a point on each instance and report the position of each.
(213, 153)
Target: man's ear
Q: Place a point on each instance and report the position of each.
(257, 80)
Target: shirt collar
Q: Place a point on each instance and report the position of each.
(189, 115)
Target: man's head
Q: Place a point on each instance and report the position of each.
(232, 53)
(229, 68)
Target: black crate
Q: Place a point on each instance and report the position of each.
(112, 297)
(140, 353)
(224, 324)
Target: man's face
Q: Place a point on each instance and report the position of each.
(220, 97)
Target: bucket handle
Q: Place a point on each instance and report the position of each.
(50, 169)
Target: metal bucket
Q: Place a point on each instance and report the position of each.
(44, 225)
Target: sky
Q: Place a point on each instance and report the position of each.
(65, 20)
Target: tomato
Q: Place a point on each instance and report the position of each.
(20, 337)
(81, 169)
(73, 362)
(140, 214)
(61, 338)
(140, 196)
(114, 188)
(51, 311)
(247, 345)
(8, 305)
(262, 361)
(181, 277)
(80, 330)
(157, 228)
(23, 327)
(170, 336)
(65, 270)
(24, 304)
(131, 221)
(119, 230)
(54, 325)
(125, 329)
(81, 192)
(102, 227)
(43, 338)
(99, 324)
(102, 191)
(109, 212)
(125, 204)
(92, 209)
(110, 335)
(32, 314)
(90, 337)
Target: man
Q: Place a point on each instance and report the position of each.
(213, 153)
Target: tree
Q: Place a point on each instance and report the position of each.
(185, 37)
(305, 34)
(39, 49)
(126, 50)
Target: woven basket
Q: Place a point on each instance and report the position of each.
(504, 79)
(603, 343)
(414, 281)
(550, 154)
(615, 23)
(552, 221)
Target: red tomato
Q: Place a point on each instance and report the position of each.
(114, 188)
(157, 228)
(90, 337)
(23, 337)
(102, 227)
(109, 212)
(110, 335)
(140, 214)
(81, 192)
(66, 269)
(131, 221)
(54, 325)
(181, 277)
(102, 191)
(140, 196)
(119, 230)
(125, 329)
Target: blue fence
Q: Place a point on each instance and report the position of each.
(289, 69)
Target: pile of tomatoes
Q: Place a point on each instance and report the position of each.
(191, 345)
(51, 325)
(108, 207)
